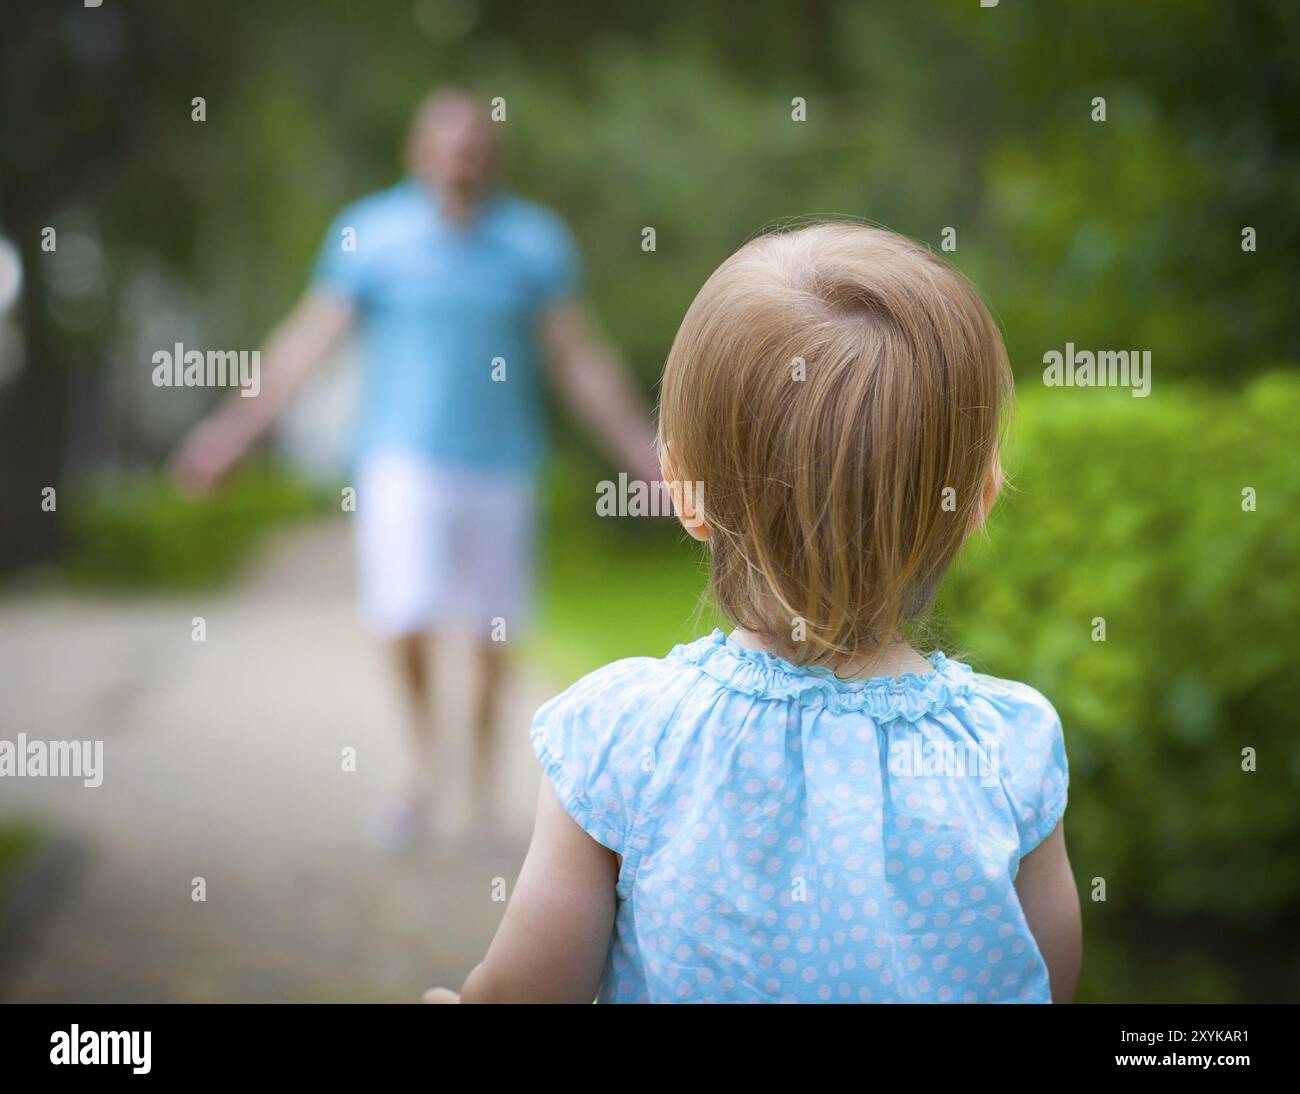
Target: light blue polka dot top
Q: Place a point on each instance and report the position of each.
(790, 836)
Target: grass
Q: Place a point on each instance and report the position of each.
(611, 587)
(635, 592)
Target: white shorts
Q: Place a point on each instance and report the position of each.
(440, 545)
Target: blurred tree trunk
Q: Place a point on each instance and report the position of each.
(33, 409)
(33, 403)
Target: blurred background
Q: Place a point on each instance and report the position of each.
(223, 758)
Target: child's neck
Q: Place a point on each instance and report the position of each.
(892, 659)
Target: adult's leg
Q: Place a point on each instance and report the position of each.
(499, 534)
(489, 671)
(415, 681)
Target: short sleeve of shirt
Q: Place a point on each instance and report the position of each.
(1035, 773)
(597, 744)
(559, 263)
(341, 261)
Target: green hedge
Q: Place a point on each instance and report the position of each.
(136, 530)
(1132, 510)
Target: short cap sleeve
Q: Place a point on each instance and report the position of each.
(597, 744)
(559, 263)
(1033, 765)
(341, 261)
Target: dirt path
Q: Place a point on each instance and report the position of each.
(223, 760)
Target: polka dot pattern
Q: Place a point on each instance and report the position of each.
(791, 837)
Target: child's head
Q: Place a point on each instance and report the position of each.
(836, 390)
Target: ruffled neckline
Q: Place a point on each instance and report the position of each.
(910, 696)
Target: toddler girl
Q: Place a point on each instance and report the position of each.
(806, 809)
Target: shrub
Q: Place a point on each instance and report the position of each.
(137, 530)
(1132, 510)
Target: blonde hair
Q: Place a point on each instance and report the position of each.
(837, 391)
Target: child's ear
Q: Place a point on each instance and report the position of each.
(688, 499)
(988, 495)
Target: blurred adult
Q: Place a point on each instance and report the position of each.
(468, 301)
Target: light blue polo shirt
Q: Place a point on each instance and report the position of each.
(449, 316)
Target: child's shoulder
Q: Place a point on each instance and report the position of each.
(621, 685)
(1012, 697)
(642, 691)
(613, 714)
(1017, 713)
(1019, 718)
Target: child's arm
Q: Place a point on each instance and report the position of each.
(1050, 899)
(552, 944)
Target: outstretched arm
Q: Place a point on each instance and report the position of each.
(595, 386)
(213, 446)
(1045, 885)
(552, 944)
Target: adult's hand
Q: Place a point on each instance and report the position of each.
(208, 452)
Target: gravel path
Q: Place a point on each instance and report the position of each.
(223, 761)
